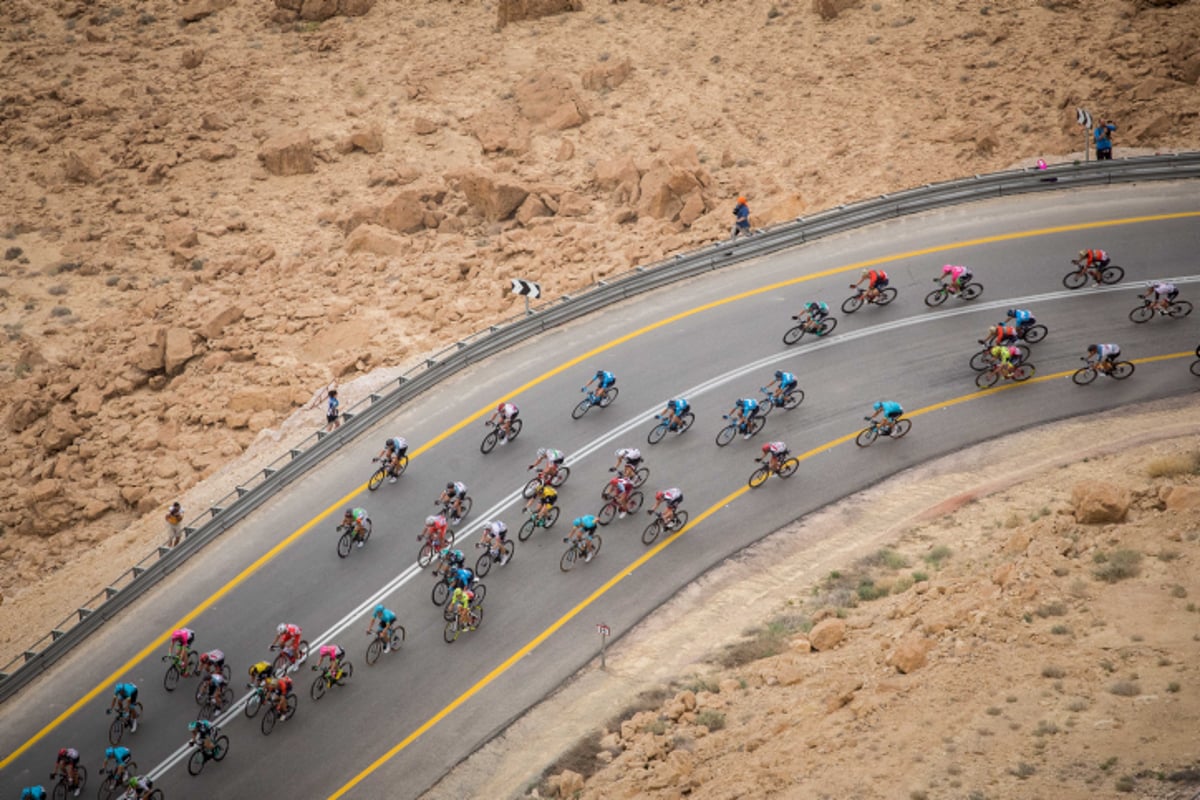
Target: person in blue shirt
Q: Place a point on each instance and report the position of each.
(584, 526)
(787, 384)
(116, 762)
(743, 411)
(34, 793)
(811, 315)
(385, 619)
(741, 218)
(603, 379)
(674, 412)
(124, 698)
(1103, 136)
(891, 411)
(1023, 318)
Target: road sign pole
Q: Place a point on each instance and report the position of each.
(527, 311)
(604, 632)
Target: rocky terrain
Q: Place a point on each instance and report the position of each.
(216, 207)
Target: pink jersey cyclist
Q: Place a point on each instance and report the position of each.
(335, 654)
(959, 275)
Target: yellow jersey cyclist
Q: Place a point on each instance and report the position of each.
(394, 449)
(811, 315)
(673, 413)
(335, 654)
(116, 763)
(628, 461)
(67, 764)
(1102, 356)
(451, 498)
(544, 499)
(891, 411)
(495, 534)
(356, 520)
(603, 380)
(774, 454)
(787, 384)
(258, 672)
(1006, 357)
(549, 460)
(672, 498)
(124, 698)
(382, 624)
(460, 601)
(743, 411)
(584, 529)
(503, 417)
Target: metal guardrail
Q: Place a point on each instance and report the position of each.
(265, 483)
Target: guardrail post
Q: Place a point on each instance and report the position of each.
(54, 634)
(374, 398)
(163, 550)
(111, 591)
(349, 415)
(83, 613)
(215, 510)
(294, 453)
(269, 471)
(30, 655)
(321, 435)
(137, 571)
(242, 491)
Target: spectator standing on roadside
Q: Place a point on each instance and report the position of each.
(333, 412)
(174, 524)
(741, 215)
(1103, 136)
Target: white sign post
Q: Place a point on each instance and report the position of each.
(528, 289)
(604, 632)
(1084, 118)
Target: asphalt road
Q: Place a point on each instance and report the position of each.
(905, 352)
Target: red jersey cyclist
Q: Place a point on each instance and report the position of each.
(620, 490)
(774, 454)
(1093, 263)
(672, 498)
(287, 639)
(334, 654)
(68, 764)
(875, 279)
(212, 662)
(503, 416)
(435, 531)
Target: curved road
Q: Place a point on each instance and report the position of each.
(401, 724)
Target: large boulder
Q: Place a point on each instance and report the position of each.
(608, 75)
(910, 653)
(1181, 498)
(547, 99)
(619, 176)
(287, 153)
(405, 213)
(1096, 502)
(500, 129)
(216, 324)
(827, 634)
(829, 9)
(374, 239)
(178, 350)
(61, 429)
(517, 10)
(492, 196)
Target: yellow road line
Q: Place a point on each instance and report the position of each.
(292, 538)
(529, 647)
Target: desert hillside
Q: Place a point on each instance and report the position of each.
(214, 208)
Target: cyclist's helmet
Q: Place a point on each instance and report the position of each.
(204, 658)
(1082, 253)
(864, 273)
(349, 512)
(778, 374)
(500, 407)
(387, 445)
(878, 405)
(766, 448)
(577, 522)
(133, 783)
(281, 627)
(449, 487)
(430, 520)
(109, 752)
(62, 753)
(378, 609)
(615, 482)
(658, 496)
(741, 199)
(812, 306)
(599, 373)
(1011, 313)
(1091, 348)
(192, 725)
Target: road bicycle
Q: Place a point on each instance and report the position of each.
(384, 470)
(983, 359)
(494, 555)
(534, 522)
(349, 537)
(1119, 371)
(867, 436)
(493, 436)
(210, 708)
(1079, 276)
(114, 779)
(636, 476)
(63, 788)
(220, 746)
(856, 301)
(790, 400)
(254, 702)
(760, 475)
(968, 291)
(448, 509)
(610, 510)
(1195, 368)
(541, 479)
(1032, 333)
(659, 526)
(664, 427)
(578, 550)
(730, 431)
(1176, 309)
(456, 625)
(1015, 372)
(272, 714)
(822, 328)
(325, 680)
(432, 545)
(288, 659)
(592, 399)
(117, 729)
(181, 667)
(375, 648)
(478, 591)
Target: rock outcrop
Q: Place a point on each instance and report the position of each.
(518, 10)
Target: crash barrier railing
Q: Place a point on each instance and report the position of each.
(247, 496)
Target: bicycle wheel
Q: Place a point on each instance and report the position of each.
(652, 531)
(531, 487)
(1075, 279)
(609, 397)
(971, 291)
(268, 721)
(552, 516)
(401, 465)
(756, 425)
(253, 704)
(318, 688)
(157, 794)
(657, 433)
(425, 556)
(292, 702)
(1195, 368)
(441, 591)
(220, 747)
(981, 360)
(108, 788)
(201, 693)
(1084, 375)
(987, 379)
(795, 398)
(60, 790)
(366, 531)
(1179, 309)
(852, 304)
(196, 763)
(1022, 372)
(374, 650)
(507, 551)
(467, 504)
(280, 666)
(793, 335)
(688, 417)
(344, 545)
(640, 475)
(886, 296)
(597, 541)
(902, 427)
(567, 562)
(209, 710)
(376, 479)
(489, 442)
(789, 467)
(1141, 314)
(866, 436)
(526, 530)
(1035, 333)
(483, 564)
(1122, 370)
(608, 512)
(936, 297)
(726, 435)
(679, 520)
(514, 429)
(171, 679)
(758, 477)
(1112, 274)
(450, 632)
(116, 730)
(827, 326)
(581, 408)
(635, 502)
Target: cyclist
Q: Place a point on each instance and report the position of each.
(959, 277)
(672, 497)
(495, 534)
(258, 672)
(335, 654)
(1093, 263)
(811, 315)
(212, 684)
(119, 758)
(1022, 318)
(449, 559)
(875, 279)
(743, 411)
(356, 520)
(462, 578)
(1102, 356)
(1000, 334)
(141, 786)
(581, 526)
(180, 644)
(621, 491)
(460, 601)
(543, 498)
(202, 734)
(504, 415)
(552, 459)
(212, 662)
(787, 384)
(393, 450)
(674, 412)
(124, 697)
(278, 690)
(891, 411)
(630, 458)
(775, 453)
(453, 496)
(1159, 295)
(382, 622)
(68, 764)
(287, 639)
(603, 379)
(435, 531)
(1005, 357)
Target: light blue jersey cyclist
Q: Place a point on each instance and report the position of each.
(891, 411)
(1021, 317)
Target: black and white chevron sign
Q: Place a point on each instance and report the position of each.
(1083, 117)
(527, 288)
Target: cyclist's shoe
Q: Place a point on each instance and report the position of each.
(387, 647)
(455, 520)
(564, 540)
(392, 479)
(612, 469)
(588, 557)
(502, 440)
(622, 514)
(747, 435)
(360, 543)
(133, 726)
